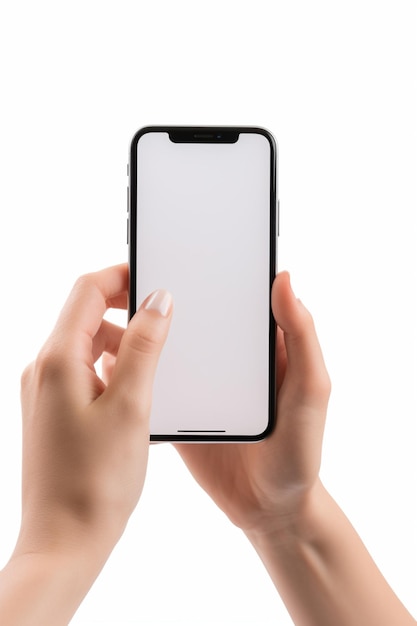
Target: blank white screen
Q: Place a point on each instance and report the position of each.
(203, 220)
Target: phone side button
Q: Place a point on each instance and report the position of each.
(127, 231)
(277, 218)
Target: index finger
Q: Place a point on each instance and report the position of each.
(89, 299)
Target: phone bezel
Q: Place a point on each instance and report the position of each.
(209, 134)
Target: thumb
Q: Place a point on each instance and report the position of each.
(138, 355)
(306, 372)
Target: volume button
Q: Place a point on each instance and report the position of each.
(127, 231)
(277, 218)
(127, 199)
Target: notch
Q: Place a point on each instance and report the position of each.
(204, 134)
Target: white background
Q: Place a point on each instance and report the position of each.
(336, 83)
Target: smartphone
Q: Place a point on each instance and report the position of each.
(203, 223)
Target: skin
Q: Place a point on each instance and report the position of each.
(85, 449)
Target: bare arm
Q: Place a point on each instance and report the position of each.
(46, 588)
(323, 571)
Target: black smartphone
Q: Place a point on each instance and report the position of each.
(203, 223)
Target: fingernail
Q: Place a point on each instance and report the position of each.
(161, 301)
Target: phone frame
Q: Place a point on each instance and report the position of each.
(210, 134)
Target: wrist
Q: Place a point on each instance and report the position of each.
(295, 521)
(46, 587)
(65, 537)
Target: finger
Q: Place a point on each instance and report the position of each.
(118, 302)
(82, 315)
(305, 371)
(131, 383)
(107, 366)
(107, 339)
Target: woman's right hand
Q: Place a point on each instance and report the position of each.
(268, 483)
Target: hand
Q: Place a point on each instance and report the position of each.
(267, 483)
(85, 447)
(85, 440)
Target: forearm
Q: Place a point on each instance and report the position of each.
(46, 588)
(324, 573)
